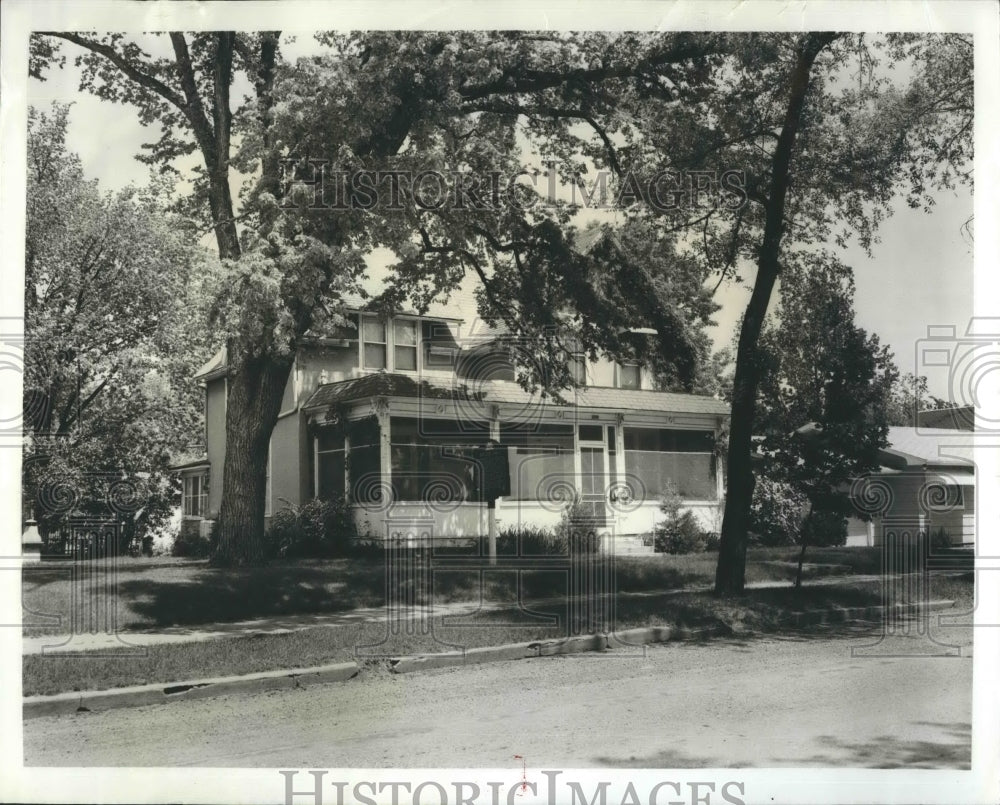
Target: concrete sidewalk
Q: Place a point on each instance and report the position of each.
(66, 643)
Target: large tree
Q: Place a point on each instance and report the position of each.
(825, 394)
(821, 134)
(288, 271)
(111, 337)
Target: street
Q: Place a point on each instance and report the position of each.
(759, 701)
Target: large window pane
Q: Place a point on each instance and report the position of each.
(628, 375)
(374, 330)
(375, 356)
(692, 474)
(433, 461)
(405, 359)
(541, 460)
(331, 475)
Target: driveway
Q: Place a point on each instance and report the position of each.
(788, 701)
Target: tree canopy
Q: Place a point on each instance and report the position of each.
(112, 334)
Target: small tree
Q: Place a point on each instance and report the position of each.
(679, 531)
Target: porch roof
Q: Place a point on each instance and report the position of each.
(386, 384)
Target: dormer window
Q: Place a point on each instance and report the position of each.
(373, 348)
(404, 333)
(628, 375)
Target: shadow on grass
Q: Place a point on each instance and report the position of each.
(213, 595)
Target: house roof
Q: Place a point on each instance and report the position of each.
(386, 384)
(910, 447)
(190, 464)
(958, 417)
(213, 367)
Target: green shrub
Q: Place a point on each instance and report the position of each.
(317, 529)
(776, 513)
(712, 541)
(528, 541)
(191, 545)
(825, 528)
(577, 529)
(940, 540)
(680, 531)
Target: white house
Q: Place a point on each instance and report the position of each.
(388, 413)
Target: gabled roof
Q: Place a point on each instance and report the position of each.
(385, 384)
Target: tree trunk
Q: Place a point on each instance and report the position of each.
(255, 391)
(731, 570)
(805, 543)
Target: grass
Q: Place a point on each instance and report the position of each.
(151, 594)
(758, 611)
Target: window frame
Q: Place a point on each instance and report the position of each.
(390, 344)
(194, 505)
(619, 369)
(415, 346)
(363, 342)
(578, 359)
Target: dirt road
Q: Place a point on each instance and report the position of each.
(759, 702)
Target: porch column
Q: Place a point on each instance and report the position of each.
(381, 408)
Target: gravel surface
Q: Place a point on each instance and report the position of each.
(793, 700)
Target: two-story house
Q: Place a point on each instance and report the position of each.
(387, 414)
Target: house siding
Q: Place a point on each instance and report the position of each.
(215, 440)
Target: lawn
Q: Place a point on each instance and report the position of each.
(152, 593)
(759, 611)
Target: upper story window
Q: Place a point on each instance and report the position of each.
(377, 337)
(628, 376)
(405, 345)
(373, 350)
(578, 368)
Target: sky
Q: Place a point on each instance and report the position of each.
(920, 274)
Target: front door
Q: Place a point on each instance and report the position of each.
(594, 481)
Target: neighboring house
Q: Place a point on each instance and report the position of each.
(926, 481)
(387, 413)
(961, 417)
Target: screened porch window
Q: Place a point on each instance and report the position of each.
(432, 461)
(656, 456)
(331, 463)
(195, 497)
(541, 460)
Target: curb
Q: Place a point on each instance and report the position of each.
(139, 695)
